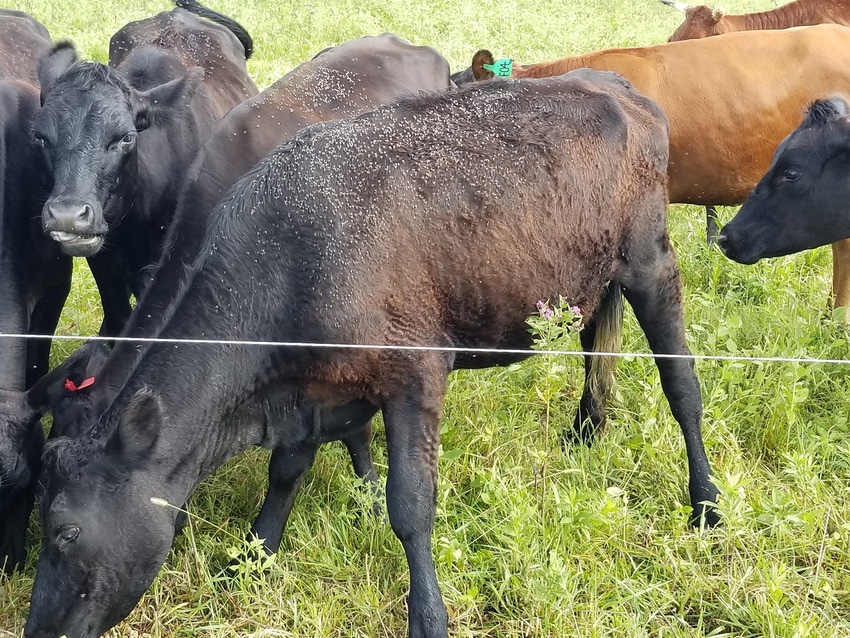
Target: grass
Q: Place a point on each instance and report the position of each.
(531, 538)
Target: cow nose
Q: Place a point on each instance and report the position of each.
(68, 217)
(723, 241)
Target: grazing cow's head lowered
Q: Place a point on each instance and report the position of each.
(88, 130)
(803, 201)
(95, 569)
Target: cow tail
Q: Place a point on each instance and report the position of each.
(608, 338)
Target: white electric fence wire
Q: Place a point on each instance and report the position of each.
(488, 351)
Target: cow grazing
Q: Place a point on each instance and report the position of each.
(343, 81)
(396, 228)
(803, 200)
(703, 22)
(35, 277)
(119, 138)
(730, 101)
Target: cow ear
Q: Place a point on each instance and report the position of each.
(481, 58)
(823, 111)
(138, 429)
(162, 104)
(717, 15)
(61, 58)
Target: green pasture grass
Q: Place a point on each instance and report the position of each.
(533, 538)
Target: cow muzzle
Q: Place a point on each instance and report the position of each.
(77, 226)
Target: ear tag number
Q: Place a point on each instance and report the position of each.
(501, 68)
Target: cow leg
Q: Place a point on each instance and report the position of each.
(712, 228)
(841, 276)
(114, 293)
(412, 421)
(357, 445)
(653, 288)
(45, 318)
(289, 465)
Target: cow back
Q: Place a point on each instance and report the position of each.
(379, 225)
(23, 40)
(729, 99)
(193, 42)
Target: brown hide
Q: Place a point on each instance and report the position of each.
(703, 22)
(730, 100)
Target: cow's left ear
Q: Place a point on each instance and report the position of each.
(717, 14)
(162, 104)
(138, 430)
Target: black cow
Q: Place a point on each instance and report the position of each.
(35, 277)
(119, 138)
(342, 81)
(396, 228)
(803, 201)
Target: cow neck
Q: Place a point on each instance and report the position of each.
(206, 392)
(793, 14)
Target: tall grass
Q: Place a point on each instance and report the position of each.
(533, 538)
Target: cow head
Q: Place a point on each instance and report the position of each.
(803, 201)
(104, 539)
(87, 130)
(20, 460)
(700, 21)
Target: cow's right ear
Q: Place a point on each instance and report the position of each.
(138, 429)
(61, 58)
(481, 58)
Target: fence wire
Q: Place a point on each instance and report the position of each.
(488, 351)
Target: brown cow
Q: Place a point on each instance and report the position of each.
(730, 101)
(703, 22)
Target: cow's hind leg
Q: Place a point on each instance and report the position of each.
(653, 288)
(412, 419)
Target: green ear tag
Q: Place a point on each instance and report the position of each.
(501, 67)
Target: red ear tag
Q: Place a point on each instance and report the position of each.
(72, 387)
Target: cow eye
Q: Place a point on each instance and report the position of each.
(125, 143)
(68, 534)
(40, 141)
(791, 175)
